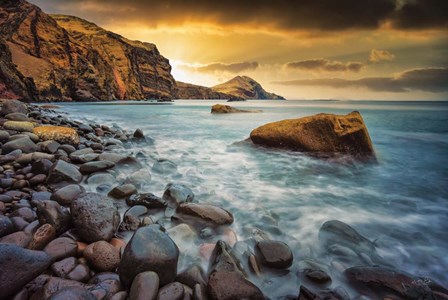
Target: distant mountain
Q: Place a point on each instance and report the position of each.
(238, 88)
(64, 58)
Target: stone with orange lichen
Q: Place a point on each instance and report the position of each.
(63, 135)
(322, 133)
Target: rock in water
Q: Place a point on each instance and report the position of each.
(275, 254)
(177, 193)
(230, 285)
(95, 217)
(18, 267)
(63, 135)
(379, 281)
(203, 215)
(226, 109)
(150, 249)
(322, 133)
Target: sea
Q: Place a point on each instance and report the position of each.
(399, 203)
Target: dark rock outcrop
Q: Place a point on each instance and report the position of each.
(321, 134)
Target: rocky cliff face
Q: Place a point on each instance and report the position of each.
(238, 88)
(192, 91)
(66, 58)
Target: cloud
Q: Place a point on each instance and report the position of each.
(285, 15)
(416, 14)
(231, 68)
(325, 65)
(426, 79)
(380, 55)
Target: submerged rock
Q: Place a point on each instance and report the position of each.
(226, 109)
(176, 194)
(379, 281)
(322, 133)
(148, 200)
(95, 217)
(150, 249)
(203, 215)
(274, 254)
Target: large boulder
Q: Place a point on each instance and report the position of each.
(150, 249)
(231, 285)
(18, 267)
(95, 217)
(226, 109)
(326, 134)
(63, 135)
(203, 215)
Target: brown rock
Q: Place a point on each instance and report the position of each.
(63, 135)
(102, 256)
(44, 234)
(231, 285)
(275, 254)
(145, 286)
(203, 214)
(61, 248)
(323, 133)
(172, 291)
(226, 109)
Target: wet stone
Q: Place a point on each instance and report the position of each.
(42, 237)
(274, 254)
(145, 286)
(148, 200)
(67, 194)
(62, 171)
(95, 217)
(102, 256)
(61, 248)
(123, 191)
(176, 194)
(96, 166)
(172, 291)
(63, 267)
(150, 249)
(18, 267)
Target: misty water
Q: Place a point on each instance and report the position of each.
(401, 203)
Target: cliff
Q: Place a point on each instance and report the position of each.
(64, 58)
(238, 88)
(192, 91)
(244, 87)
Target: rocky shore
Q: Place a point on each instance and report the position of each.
(77, 223)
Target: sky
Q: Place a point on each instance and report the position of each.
(300, 49)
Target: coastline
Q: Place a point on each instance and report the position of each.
(254, 265)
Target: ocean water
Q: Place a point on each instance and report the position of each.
(401, 203)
